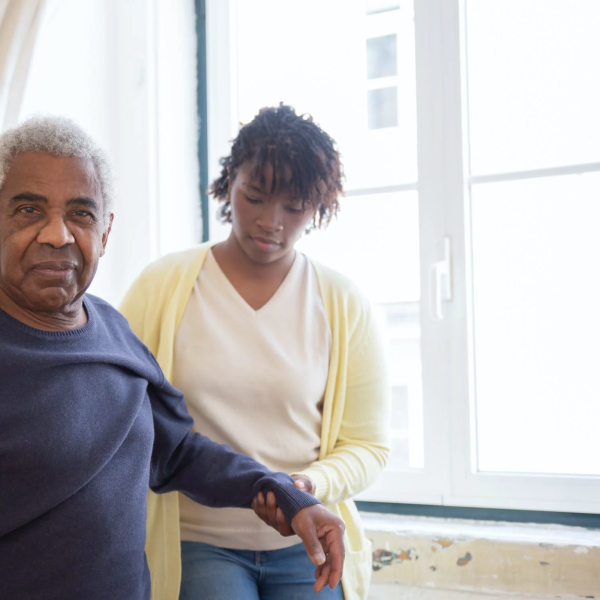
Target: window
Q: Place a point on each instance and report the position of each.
(126, 72)
(471, 141)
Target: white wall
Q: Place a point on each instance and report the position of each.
(126, 71)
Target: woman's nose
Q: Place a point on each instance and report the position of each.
(270, 218)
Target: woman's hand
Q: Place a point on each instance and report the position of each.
(305, 483)
(268, 511)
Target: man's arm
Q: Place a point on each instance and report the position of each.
(209, 473)
(214, 475)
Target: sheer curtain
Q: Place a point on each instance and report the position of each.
(19, 23)
(125, 70)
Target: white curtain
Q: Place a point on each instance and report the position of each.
(19, 24)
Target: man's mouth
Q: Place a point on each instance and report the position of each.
(54, 269)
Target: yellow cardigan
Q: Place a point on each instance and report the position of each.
(354, 435)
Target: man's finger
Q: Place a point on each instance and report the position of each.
(316, 522)
(335, 556)
(305, 527)
(322, 575)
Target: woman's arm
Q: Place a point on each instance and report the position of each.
(214, 475)
(362, 447)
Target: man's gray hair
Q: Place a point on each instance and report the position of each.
(58, 136)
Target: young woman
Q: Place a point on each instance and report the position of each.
(279, 357)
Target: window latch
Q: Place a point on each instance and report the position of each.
(441, 278)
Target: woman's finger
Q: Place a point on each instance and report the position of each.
(258, 506)
(283, 526)
(302, 482)
(271, 508)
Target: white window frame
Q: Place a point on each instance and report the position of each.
(450, 476)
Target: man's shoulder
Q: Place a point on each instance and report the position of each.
(107, 315)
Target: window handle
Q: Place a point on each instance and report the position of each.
(441, 278)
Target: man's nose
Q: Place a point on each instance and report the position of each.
(55, 233)
(270, 218)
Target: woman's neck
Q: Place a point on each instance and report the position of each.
(233, 260)
(255, 282)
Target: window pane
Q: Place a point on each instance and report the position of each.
(383, 107)
(319, 66)
(381, 57)
(534, 85)
(375, 241)
(537, 324)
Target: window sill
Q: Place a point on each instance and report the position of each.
(480, 557)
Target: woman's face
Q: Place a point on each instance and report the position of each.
(266, 223)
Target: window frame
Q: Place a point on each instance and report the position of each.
(450, 476)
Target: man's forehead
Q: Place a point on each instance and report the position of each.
(53, 173)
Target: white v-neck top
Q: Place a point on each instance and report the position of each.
(255, 380)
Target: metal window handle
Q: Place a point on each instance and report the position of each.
(441, 278)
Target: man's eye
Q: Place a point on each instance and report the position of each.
(83, 214)
(28, 210)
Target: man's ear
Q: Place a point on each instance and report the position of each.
(107, 233)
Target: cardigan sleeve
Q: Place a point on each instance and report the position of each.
(133, 307)
(362, 447)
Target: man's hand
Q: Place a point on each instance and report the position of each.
(321, 532)
(323, 536)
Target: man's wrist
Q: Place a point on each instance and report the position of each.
(292, 500)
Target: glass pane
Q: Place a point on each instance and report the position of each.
(381, 56)
(534, 85)
(385, 264)
(537, 324)
(322, 66)
(383, 107)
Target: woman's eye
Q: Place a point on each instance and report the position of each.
(253, 200)
(295, 210)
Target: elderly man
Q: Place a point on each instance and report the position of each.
(87, 419)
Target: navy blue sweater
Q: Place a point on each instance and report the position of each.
(87, 423)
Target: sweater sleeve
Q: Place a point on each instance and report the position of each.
(210, 473)
(362, 448)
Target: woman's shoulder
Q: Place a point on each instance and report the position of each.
(339, 287)
(173, 265)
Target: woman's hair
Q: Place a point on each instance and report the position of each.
(301, 154)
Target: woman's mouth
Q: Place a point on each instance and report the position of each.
(265, 244)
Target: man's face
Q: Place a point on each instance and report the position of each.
(52, 231)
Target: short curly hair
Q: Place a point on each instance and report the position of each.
(292, 144)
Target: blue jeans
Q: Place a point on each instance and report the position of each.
(212, 573)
